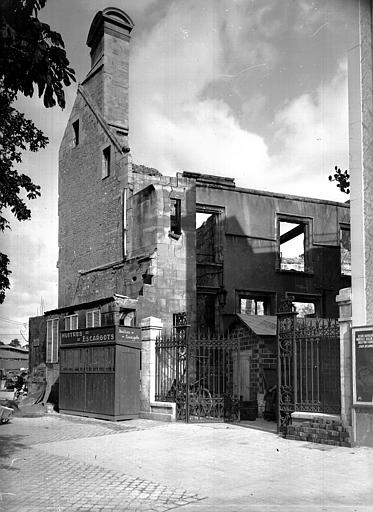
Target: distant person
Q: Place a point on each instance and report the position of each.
(20, 385)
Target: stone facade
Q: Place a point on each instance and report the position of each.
(126, 230)
(115, 230)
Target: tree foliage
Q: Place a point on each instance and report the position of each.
(31, 56)
(342, 179)
(15, 343)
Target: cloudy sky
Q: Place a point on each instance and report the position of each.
(253, 89)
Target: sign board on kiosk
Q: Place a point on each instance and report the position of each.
(362, 365)
(128, 335)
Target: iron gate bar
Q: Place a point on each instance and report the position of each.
(203, 378)
(285, 362)
(308, 365)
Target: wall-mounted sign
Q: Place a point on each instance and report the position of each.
(362, 354)
(132, 334)
(92, 335)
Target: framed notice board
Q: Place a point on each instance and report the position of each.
(362, 365)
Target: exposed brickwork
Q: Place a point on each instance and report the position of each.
(90, 208)
(263, 356)
(319, 431)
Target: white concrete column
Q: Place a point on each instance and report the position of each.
(360, 67)
(344, 303)
(151, 328)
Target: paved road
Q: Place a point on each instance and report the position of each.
(59, 463)
(35, 479)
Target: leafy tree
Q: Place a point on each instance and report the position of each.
(342, 179)
(31, 55)
(15, 343)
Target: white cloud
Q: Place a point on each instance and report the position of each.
(313, 134)
(175, 128)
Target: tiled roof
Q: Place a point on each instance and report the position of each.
(262, 325)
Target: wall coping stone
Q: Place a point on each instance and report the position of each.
(299, 415)
(344, 295)
(151, 322)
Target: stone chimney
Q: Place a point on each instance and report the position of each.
(107, 81)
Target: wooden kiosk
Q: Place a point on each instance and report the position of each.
(100, 372)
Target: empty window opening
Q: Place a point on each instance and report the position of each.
(175, 217)
(207, 237)
(93, 318)
(128, 318)
(76, 132)
(292, 245)
(345, 251)
(251, 306)
(71, 322)
(305, 309)
(106, 162)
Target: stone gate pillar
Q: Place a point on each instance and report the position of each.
(344, 303)
(151, 328)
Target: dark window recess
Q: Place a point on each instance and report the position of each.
(206, 312)
(106, 161)
(175, 217)
(147, 278)
(76, 132)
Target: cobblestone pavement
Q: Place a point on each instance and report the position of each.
(55, 427)
(32, 480)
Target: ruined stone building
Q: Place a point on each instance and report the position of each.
(134, 243)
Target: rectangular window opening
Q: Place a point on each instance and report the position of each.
(128, 318)
(208, 236)
(106, 162)
(252, 306)
(292, 238)
(345, 245)
(52, 341)
(305, 309)
(76, 132)
(175, 217)
(71, 323)
(93, 318)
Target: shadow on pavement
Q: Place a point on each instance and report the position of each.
(259, 424)
(9, 444)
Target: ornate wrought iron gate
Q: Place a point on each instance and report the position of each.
(199, 374)
(308, 364)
